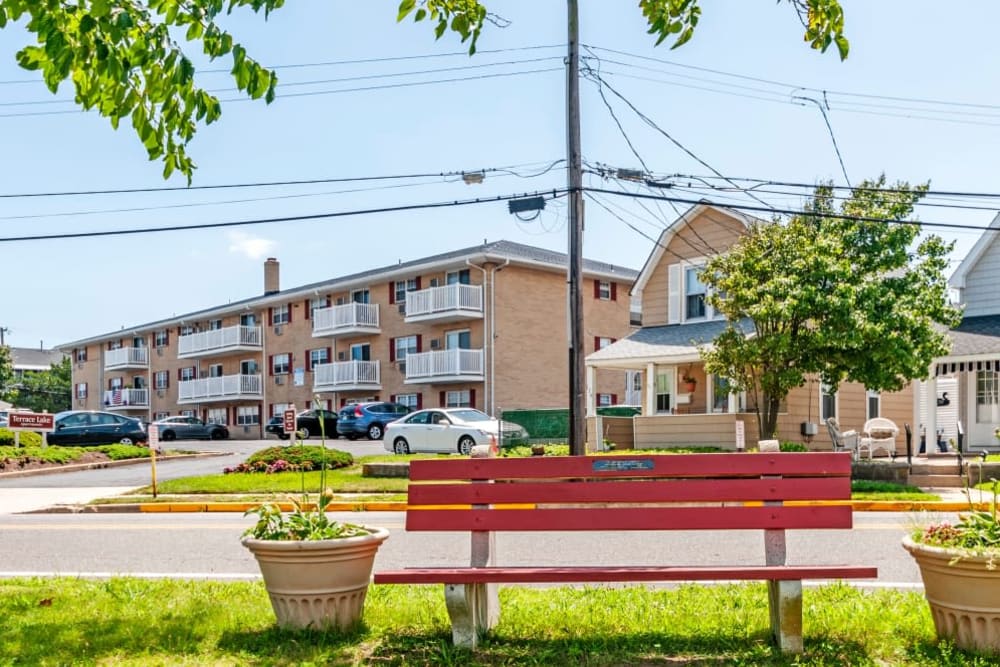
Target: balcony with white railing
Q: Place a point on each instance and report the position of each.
(126, 399)
(454, 365)
(222, 388)
(348, 318)
(219, 341)
(126, 357)
(449, 303)
(347, 376)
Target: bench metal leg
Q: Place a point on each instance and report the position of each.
(473, 609)
(785, 598)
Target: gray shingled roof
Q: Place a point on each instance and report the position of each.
(665, 341)
(976, 335)
(496, 250)
(29, 358)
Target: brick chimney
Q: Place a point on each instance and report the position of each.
(271, 276)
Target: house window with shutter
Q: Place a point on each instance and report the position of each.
(873, 402)
(404, 345)
(601, 342)
(247, 415)
(604, 290)
(317, 357)
(827, 401)
(161, 379)
(281, 314)
(694, 293)
(605, 400)
(81, 354)
(458, 399)
(316, 303)
(187, 374)
(402, 287)
(81, 390)
(411, 401)
(161, 338)
(280, 364)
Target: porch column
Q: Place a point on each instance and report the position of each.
(731, 404)
(919, 388)
(650, 389)
(930, 401)
(591, 397)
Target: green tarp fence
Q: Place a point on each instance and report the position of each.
(554, 423)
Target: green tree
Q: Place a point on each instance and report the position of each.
(47, 391)
(6, 371)
(843, 292)
(125, 61)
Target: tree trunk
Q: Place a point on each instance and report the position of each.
(768, 417)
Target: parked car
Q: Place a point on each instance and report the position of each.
(188, 428)
(90, 427)
(368, 419)
(441, 430)
(308, 423)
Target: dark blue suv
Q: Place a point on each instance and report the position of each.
(368, 419)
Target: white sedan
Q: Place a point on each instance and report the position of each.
(441, 430)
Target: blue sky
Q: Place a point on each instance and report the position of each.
(61, 290)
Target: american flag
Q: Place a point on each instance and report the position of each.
(116, 397)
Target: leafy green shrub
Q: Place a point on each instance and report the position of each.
(122, 452)
(787, 446)
(309, 457)
(874, 486)
(12, 458)
(28, 438)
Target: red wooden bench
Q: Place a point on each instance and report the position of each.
(623, 493)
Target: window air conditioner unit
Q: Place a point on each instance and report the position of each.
(402, 367)
(435, 343)
(277, 330)
(79, 364)
(434, 282)
(402, 309)
(159, 392)
(341, 356)
(340, 301)
(159, 351)
(279, 379)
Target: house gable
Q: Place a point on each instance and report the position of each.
(977, 276)
(701, 232)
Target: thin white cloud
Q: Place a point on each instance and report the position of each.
(251, 246)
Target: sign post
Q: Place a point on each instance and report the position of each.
(31, 421)
(288, 421)
(741, 441)
(154, 443)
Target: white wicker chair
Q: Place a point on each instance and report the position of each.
(879, 433)
(843, 440)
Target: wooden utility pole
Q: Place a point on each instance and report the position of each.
(574, 163)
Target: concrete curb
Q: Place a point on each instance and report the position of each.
(74, 467)
(375, 506)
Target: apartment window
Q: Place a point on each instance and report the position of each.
(694, 293)
(81, 390)
(115, 344)
(603, 290)
(115, 383)
(81, 354)
(360, 296)
(604, 400)
(185, 374)
(280, 363)
(458, 339)
(405, 345)
(138, 382)
(215, 371)
(317, 357)
(458, 399)
(185, 330)
(827, 401)
(404, 286)
(216, 416)
(157, 416)
(248, 320)
(874, 403)
(281, 314)
(412, 401)
(161, 380)
(458, 277)
(214, 324)
(316, 303)
(249, 367)
(663, 391)
(278, 409)
(161, 338)
(247, 415)
(601, 342)
(361, 352)
(187, 413)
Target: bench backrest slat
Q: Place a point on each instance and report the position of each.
(787, 464)
(628, 518)
(624, 491)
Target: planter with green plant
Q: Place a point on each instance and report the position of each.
(316, 570)
(689, 383)
(959, 566)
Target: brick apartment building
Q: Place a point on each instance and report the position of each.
(483, 326)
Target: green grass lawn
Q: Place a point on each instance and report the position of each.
(138, 622)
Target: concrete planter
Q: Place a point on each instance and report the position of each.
(964, 597)
(319, 584)
(979, 471)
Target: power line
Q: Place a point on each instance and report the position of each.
(312, 181)
(295, 218)
(803, 213)
(765, 181)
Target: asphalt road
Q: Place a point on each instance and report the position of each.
(231, 453)
(207, 545)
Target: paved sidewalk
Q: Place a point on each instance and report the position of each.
(14, 501)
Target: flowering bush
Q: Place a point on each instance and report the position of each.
(976, 533)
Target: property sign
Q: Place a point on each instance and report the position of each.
(31, 421)
(154, 436)
(288, 420)
(741, 439)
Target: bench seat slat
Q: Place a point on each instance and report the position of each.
(631, 518)
(621, 491)
(639, 465)
(526, 575)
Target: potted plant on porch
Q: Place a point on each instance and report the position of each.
(316, 570)
(688, 382)
(960, 566)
